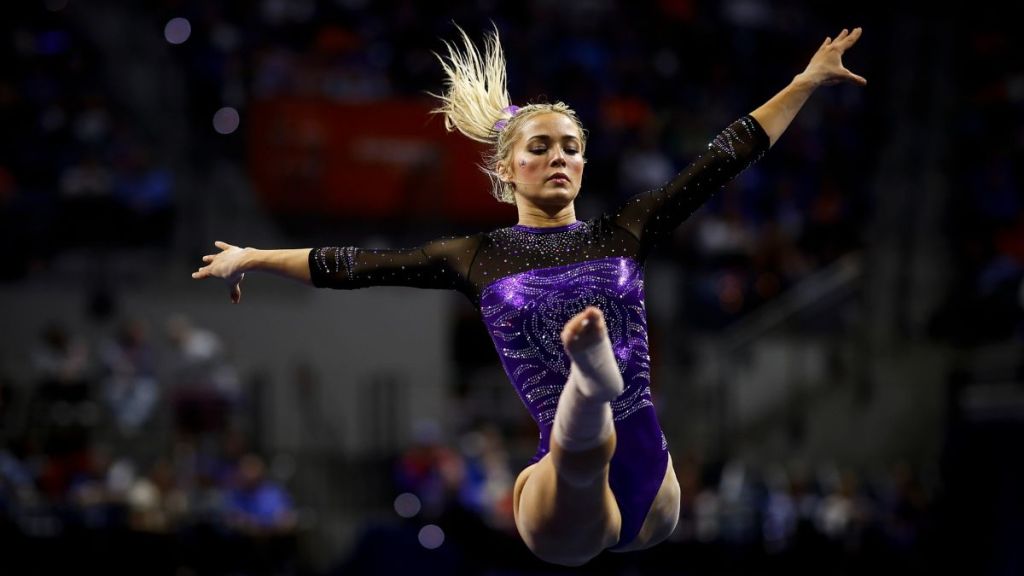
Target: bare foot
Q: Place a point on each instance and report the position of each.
(584, 330)
(585, 338)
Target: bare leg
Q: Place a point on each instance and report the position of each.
(565, 511)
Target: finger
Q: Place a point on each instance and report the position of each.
(201, 273)
(208, 258)
(857, 79)
(828, 40)
(842, 35)
(222, 245)
(852, 38)
(236, 293)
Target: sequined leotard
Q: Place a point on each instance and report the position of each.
(528, 282)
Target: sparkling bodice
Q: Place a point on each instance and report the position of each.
(526, 312)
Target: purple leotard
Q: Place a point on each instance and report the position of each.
(528, 282)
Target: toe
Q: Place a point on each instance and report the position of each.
(584, 328)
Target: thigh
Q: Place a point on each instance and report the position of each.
(517, 491)
(662, 517)
(562, 523)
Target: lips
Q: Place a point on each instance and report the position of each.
(558, 175)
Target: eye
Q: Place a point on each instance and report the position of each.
(538, 150)
(571, 151)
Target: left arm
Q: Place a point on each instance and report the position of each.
(653, 215)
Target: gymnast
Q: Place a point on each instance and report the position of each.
(562, 299)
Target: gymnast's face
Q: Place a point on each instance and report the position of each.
(546, 161)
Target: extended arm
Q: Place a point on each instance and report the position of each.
(653, 215)
(438, 264)
(232, 262)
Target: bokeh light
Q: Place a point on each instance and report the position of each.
(225, 120)
(407, 505)
(431, 536)
(177, 30)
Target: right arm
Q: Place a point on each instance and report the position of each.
(439, 264)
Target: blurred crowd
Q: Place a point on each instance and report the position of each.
(77, 168)
(132, 453)
(985, 223)
(770, 519)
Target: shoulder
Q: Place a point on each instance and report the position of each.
(457, 248)
(497, 234)
(457, 241)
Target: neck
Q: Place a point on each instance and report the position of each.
(537, 217)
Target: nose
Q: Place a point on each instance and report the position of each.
(559, 157)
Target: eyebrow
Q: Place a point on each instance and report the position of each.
(547, 138)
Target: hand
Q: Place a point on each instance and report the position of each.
(226, 265)
(826, 66)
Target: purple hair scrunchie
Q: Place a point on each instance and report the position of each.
(500, 124)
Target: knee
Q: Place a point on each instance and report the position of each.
(572, 543)
(559, 550)
(557, 541)
(666, 528)
(665, 518)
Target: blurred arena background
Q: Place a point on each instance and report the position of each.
(837, 336)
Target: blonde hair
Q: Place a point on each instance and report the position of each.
(476, 103)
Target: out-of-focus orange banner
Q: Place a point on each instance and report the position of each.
(381, 160)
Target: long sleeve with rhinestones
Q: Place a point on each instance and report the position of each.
(653, 215)
(440, 264)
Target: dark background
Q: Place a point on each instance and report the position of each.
(837, 335)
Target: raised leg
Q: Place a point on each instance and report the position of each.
(565, 511)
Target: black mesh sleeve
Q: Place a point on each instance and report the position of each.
(440, 264)
(653, 215)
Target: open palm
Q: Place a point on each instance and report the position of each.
(826, 66)
(226, 265)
